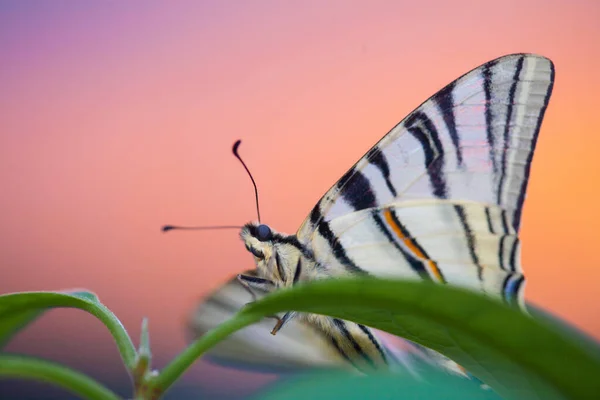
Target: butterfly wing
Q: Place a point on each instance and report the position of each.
(471, 142)
(467, 244)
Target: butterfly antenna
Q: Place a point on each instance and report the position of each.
(236, 145)
(167, 228)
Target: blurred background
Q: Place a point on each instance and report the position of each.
(118, 117)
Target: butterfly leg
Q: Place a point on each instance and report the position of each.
(253, 282)
(282, 321)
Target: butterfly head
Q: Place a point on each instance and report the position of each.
(257, 238)
(275, 259)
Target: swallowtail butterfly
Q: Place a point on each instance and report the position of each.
(438, 198)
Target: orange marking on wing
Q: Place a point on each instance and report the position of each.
(435, 270)
(412, 246)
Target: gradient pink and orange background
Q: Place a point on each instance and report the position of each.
(118, 117)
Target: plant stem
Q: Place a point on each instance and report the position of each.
(31, 368)
(185, 359)
(118, 332)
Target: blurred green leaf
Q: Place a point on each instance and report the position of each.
(12, 323)
(337, 385)
(586, 342)
(518, 356)
(12, 320)
(17, 310)
(22, 367)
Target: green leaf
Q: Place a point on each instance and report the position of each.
(22, 367)
(518, 356)
(328, 385)
(12, 321)
(589, 345)
(19, 309)
(11, 324)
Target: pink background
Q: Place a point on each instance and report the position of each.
(118, 117)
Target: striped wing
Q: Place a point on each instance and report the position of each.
(299, 346)
(467, 244)
(440, 196)
(473, 140)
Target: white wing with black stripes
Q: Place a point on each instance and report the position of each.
(440, 196)
(444, 241)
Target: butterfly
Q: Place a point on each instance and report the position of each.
(439, 198)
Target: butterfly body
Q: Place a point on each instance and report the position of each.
(282, 261)
(439, 198)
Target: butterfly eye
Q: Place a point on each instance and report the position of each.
(263, 233)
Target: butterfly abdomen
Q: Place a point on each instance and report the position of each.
(356, 343)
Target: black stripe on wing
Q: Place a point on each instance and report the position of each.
(471, 241)
(445, 101)
(424, 130)
(417, 265)
(511, 288)
(488, 218)
(356, 190)
(487, 88)
(376, 157)
(507, 126)
(336, 247)
(521, 198)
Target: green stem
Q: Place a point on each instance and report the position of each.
(185, 359)
(118, 332)
(56, 374)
